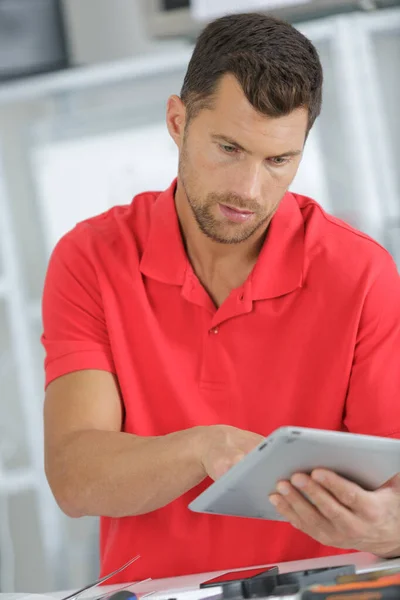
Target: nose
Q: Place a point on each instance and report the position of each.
(247, 181)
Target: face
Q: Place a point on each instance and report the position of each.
(235, 165)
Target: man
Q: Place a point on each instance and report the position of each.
(183, 328)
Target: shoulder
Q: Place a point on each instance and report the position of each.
(111, 233)
(334, 244)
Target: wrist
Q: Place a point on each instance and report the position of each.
(205, 439)
(199, 442)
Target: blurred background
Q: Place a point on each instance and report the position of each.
(83, 89)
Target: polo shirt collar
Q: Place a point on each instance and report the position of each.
(279, 268)
(164, 257)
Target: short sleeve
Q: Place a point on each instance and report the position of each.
(373, 400)
(75, 335)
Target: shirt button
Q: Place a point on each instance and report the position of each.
(214, 330)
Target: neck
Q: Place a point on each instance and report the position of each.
(211, 259)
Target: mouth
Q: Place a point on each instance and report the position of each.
(237, 215)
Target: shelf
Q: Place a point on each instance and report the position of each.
(81, 78)
(18, 480)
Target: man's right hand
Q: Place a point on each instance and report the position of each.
(95, 469)
(224, 447)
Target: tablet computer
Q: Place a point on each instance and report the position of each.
(243, 490)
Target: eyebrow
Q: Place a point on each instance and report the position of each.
(232, 142)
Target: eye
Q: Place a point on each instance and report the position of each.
(228, 149)
(279, 161)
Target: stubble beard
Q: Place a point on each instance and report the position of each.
(222, 233)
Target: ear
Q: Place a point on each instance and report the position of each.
(176, 119)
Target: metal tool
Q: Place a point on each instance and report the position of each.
(102, 580)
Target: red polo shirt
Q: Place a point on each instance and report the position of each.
(312, 339)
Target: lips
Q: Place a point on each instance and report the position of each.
(239, 210)
(237, 215)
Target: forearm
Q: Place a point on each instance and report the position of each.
(117, 474)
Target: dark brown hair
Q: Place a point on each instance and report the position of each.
(276, 65)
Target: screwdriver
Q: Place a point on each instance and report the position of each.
(358, 587)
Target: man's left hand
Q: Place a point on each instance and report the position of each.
(339, 513)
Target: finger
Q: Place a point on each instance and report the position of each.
(338, 515)
(347, 493)
(300, 513)
(308, 514)
(392, 483)
(284, 509)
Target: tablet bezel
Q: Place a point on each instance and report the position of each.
(243, 490)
